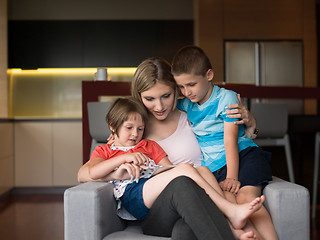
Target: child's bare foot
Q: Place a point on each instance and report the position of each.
(242, 235)
(239, 213)
(248, 236)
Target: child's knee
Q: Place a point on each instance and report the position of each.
(248, 193)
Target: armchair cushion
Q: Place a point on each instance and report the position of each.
(288, 205)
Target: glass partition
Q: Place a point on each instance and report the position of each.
(266, 63)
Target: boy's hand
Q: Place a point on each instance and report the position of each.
(230, 185)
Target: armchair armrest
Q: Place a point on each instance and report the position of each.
(90, 211)
(289, 207)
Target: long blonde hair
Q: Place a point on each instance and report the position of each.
(148, 73)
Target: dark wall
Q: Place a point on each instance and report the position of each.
(56, 44)
(318, 39)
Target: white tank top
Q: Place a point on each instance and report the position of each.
(182, 146)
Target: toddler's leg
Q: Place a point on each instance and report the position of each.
(210, 178)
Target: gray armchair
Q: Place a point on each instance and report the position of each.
(89, 213)
(89, 208)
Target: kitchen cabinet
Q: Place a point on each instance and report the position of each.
(67, 152)
(47, 153)
(6, 157)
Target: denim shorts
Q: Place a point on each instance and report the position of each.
(254, 168)
(132, 199)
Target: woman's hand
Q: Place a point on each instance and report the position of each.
(238, 110)
(230, 185)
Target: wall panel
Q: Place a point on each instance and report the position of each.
(3, 60)
(272, 19)
(6, 157)
(33, 154)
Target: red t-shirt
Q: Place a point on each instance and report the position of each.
(150, 148)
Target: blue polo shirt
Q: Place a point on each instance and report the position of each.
(207, 122)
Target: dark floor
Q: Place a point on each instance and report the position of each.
(32, 217)
(40, 216)
(315, 226)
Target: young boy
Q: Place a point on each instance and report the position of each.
(240, 166)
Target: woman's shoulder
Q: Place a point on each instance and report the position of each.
(183, 121)
(183, 116)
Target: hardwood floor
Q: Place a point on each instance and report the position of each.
(32, 217)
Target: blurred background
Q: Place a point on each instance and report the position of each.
(47, 48)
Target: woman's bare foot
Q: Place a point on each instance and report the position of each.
(239, 214)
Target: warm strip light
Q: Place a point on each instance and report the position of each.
(128, 70)
(119, 70)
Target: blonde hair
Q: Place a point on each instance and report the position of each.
(148, 73)
(122, 109)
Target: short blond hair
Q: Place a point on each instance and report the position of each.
(148, 73)
(122, 109)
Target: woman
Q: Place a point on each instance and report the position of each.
(154, 86)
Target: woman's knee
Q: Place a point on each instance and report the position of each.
(203, 169)
(185, 169)
(183, 185)
(182, 180)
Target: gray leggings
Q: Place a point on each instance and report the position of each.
(184, 211)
